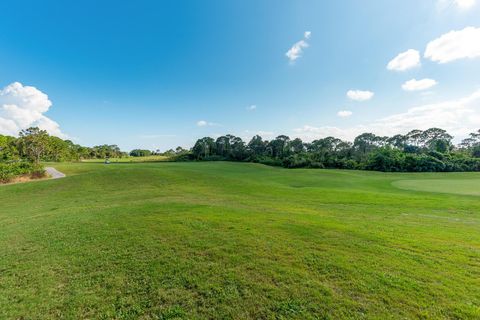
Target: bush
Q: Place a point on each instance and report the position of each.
(38, 171)
(10, 170)
(317, 165)
(140, 153)
(423, 163)
(183, 157)
(270, 161)
(386, 159)
(296, 161)
(213, 158)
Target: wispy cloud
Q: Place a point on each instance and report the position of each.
(203, 123)
(248, 134)
(252, 107)
(156, 136)
(296, 50)
(459, 4)
(419, 85)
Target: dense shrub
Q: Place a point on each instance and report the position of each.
(387, 160)
(140, 153)
(418, 151)
(270, 161)
(296, 161)
(10, 170)
(183, 157)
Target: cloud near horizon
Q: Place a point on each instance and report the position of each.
(22, 107)
(459, 117)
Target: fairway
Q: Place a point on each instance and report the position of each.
(219, 240)
(464, 186)
(156, 158)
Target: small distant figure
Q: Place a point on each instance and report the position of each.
(107, 160)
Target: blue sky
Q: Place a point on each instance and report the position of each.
(157, 74)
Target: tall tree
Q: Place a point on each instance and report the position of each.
(33, 143)
(257, 146)
(204, 147)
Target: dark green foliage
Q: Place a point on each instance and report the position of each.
(386, 159)
(140, 153)
(417, 151)
(8, 148)
(476, 151)
(23, 155)
(37, 145)
(10, 170)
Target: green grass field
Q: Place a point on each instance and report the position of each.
(155, 158)
(239, 241)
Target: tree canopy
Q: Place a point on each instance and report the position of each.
(417, 150)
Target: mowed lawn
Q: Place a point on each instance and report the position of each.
(238, 241)
(154, 158)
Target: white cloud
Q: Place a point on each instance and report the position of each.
(156, 136)
(464, 4)
(359, 95)
(418, 85)
(203, 123)
(344, 113)
(263, 134)
(252, 107)
(247, 135)
(455, 45)
(459, 117)
(266, 134)
(309, 133)
(22, 107)
(405, 60)
(296, 50)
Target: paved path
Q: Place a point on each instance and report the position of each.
(54, 173)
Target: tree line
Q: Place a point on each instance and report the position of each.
(429, 150)
(37, 145)
(22, 155)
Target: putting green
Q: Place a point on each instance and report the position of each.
(464, 186)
